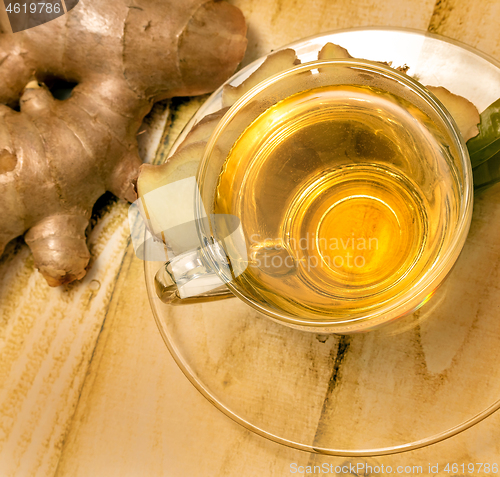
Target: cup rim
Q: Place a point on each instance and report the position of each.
(413, 298)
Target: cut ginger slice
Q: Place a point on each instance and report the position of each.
(273, 64)
(333, 52)
(462, 111)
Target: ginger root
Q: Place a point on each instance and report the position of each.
(58, 157)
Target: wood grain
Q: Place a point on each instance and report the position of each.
(275, 23)
(166, 428)
(470, 22)
(48, 336)
(136, 414)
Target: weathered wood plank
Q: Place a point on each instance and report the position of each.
(137, 409)
(473, 23)
(138, 415)
(47, 336)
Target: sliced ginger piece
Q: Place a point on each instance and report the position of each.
(166, 207)
(273, 64)
(462, 111)
(331, 51)
(166, 191)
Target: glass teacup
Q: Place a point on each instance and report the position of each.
(333, 197)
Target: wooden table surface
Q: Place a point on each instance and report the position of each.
(87, 386)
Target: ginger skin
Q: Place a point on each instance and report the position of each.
(58, 157)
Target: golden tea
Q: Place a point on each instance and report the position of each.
(344, 194)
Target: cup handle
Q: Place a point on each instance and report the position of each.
(186, 279)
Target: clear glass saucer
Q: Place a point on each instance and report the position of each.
(413, 383)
